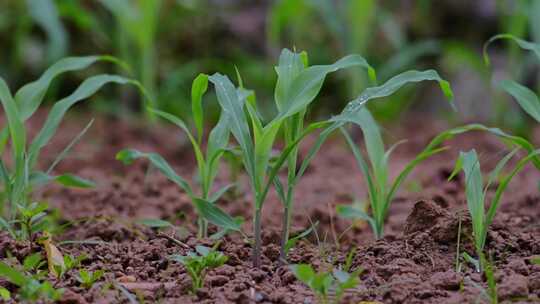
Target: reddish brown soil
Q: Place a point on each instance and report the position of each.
(414, 263)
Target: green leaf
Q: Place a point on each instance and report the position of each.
(293, 240)
(375, 148)
(290, 65)
(12, 275)
(308, 83)
(215, 215)
(495, 202)
(218, 194)
(303, 272)
(394, 84)
(155, 223)
(352, 212)
(32, 261)
(30, 96)
(526, 45)
(70, 180)
(474, 193)
(5, 294)
(17, 130)
(496, 172)
(198, 88)
(129, 155)
(526, 98)
(201, 163)
(232, 106)
(85, 90)
(202, 250)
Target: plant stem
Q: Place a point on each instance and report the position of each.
(257, 234)
(285, 234)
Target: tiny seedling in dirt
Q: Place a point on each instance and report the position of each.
(30, 279)
(207, 163)
(69, 263)
(328, 287)
(88, 278)
(19, 214)
(198, 264)
(476, 190)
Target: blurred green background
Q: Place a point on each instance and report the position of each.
(168, 42)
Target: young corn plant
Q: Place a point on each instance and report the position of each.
(355, 112)
(291, 70)
(207, 163)
(199, 263)
(328, 287)
(375, 172)
(19, 214)
(476, 190)
(297, 86)
(527, 99)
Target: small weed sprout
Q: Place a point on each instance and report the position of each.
(207, 164)
(324, 284)
(198, 264)
(69, 264)
(19, 214)
(88, 278)
(31, 279)
(476, 190)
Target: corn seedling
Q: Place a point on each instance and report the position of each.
(207, 164)
(476, 191)
(296, 88)
(19, 215)
(376, 171)
(136, 37)
(355, 112)
(198, 264)
(30, 279)
(328, 287)
(526, 98)
(88, 278)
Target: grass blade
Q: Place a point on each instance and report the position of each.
(66, 150)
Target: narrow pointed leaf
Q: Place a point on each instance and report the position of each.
(30, 96)
(198, 88)
(526, 98)
(85, 90)
(128, 156)
(526, 45)
(213, 214)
